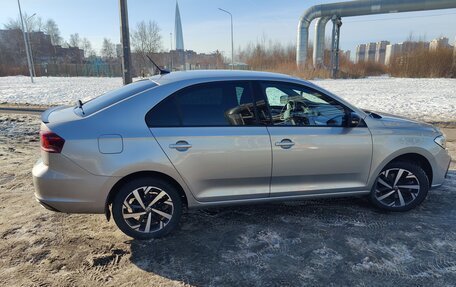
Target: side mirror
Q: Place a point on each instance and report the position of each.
(283, 100)
(352, 120)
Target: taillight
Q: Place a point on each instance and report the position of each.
(51, 142)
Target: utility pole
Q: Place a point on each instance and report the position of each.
(125, 39)
(337, 22)
(26, 42)
(30, 43)
(232, 42)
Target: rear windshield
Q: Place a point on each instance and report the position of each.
(115, 96)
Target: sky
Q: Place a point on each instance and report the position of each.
(207, 29)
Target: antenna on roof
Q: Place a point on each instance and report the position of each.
(162, 71)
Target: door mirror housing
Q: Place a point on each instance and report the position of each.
(352, 119)
(283, 100)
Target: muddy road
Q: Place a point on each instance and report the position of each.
(338, 242)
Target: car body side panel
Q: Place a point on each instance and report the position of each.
(69, 188)
(223, 163)
(140, 150)
(321, 159)
(391, 142)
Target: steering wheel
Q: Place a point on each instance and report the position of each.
(293, 114)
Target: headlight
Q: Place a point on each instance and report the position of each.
(441, 141)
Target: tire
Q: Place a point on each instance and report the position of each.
(400, 194)
(154, 215)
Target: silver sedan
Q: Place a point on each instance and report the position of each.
(145, 152)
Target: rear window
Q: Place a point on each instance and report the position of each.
(115, 96)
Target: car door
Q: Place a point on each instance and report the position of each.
(313, 150)
(210, 134)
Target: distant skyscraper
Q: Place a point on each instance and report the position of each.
(391, 51)
(178, 30)
(360, 53)
(380, 51)
(370, 52)
(442, 42)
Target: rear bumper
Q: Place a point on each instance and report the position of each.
(69, 188)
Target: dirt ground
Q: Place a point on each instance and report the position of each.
(338, 242)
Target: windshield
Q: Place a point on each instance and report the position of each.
(115, 96)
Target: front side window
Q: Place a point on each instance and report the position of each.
(205, 105)
(295, 105)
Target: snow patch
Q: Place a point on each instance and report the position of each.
(421, 99)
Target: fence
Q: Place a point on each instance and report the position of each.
(66, 70)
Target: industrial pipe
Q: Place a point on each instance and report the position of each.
(359, 8)
(319, 40)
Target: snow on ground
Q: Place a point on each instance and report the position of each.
(54, 90)
(423, 99)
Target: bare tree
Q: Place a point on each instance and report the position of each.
(38, 24)
(87, 47)
(52, 30)
(108, 49)
(32, 23)
(13, 24)
(75, 40)
(146, 38)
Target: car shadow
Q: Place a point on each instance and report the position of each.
(312, 242)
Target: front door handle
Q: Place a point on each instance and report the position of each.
(285, 144)
(181, 146)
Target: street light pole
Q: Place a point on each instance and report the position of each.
(171, 41)
(170, 50)
(26, 42)
(232, 42)
(27, 26)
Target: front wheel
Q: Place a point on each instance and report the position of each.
(147, 208)
(400, 186)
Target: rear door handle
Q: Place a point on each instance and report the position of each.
(180, 146)
(285, 144)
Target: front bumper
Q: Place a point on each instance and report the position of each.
(441, 167)
(448, 169)
(68, 188)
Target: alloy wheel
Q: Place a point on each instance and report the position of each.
(396, 187)
(147, 209)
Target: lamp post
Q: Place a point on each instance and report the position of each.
(170, 50)
(27, 50)
(27, 26)
(232, 44)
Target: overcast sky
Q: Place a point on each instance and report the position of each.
(207, 29)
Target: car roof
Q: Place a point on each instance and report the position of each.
(214, 75)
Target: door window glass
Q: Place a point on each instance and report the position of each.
(213, 104)
(164, 114)
(295, 105)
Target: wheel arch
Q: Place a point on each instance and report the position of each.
(419, 159)
(409, 156)
(142, 174)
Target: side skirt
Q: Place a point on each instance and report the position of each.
(200, 204)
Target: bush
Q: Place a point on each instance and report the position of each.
(421, 63)
(424, 63)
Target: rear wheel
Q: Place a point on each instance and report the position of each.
(147, 208)
(400, 186)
